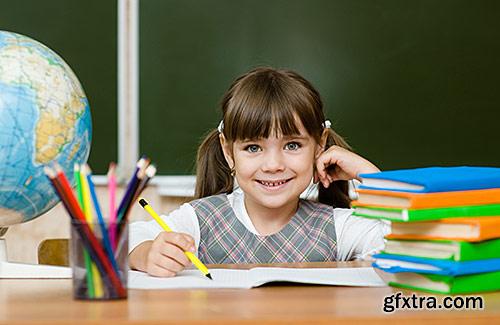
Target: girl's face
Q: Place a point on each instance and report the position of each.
(273, 172)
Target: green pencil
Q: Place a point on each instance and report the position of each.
(86, 256)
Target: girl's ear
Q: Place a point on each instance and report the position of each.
(226, 150)
(322, 144)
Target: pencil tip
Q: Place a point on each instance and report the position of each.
(49, 171)
(57, 167)
(208, 276)
(150, 171)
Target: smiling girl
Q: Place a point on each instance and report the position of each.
(272, 142)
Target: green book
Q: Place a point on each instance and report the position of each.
(401, 214)
(464, 284)
(444, 249)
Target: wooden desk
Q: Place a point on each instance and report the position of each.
(50, 302)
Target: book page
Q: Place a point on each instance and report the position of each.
(192, 278)
(357, 276)
(33, 271)
(245, 279)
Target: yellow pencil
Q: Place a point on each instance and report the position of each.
(199, 265)
(87, 210)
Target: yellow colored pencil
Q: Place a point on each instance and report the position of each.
(196, 262)
(87, 210)
(86, 257)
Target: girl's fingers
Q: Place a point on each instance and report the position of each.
(321, 168)
(169, 263)
(157, 266)
(167, 258)
(322, 165)
(159, 271)
(325, 181)
(185, 242)
(167, 253)
(326, 159)
(176, 254)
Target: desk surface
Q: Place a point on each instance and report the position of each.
(50, 302)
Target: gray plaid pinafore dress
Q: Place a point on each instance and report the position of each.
(308, 237)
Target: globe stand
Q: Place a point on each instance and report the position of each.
(28, 271)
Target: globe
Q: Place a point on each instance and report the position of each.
(44, 118)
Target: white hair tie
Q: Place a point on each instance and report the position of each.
(327, 124)
(220, 128)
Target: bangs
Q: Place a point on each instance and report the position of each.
(261, 122)
(261, 109)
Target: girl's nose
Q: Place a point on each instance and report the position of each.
(273, 162)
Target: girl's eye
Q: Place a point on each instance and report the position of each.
(252, 148)
(292, 146)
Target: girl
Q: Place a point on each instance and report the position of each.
(273, 140)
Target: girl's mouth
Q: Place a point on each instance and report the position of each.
(274, 184)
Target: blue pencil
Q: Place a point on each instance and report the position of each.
(104, 231)
(132, 186)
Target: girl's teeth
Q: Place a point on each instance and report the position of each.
(273, 183)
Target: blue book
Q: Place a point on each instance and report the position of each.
(400, 263)
(433, 179)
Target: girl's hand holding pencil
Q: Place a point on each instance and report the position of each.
(165, 255)
(167, 258)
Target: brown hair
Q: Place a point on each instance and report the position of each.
(260, 103)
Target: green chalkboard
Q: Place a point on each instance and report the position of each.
(84, 34)
(408, 83)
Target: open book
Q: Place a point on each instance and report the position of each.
(246, 279)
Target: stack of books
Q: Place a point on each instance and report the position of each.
(445, 227)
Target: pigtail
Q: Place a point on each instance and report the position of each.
(213, 175)
(337, 194)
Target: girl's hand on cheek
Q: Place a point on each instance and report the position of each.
(337, 164)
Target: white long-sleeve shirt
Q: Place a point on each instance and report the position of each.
(357, 237)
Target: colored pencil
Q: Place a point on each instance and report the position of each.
(131, 187)
(129, 195)
(102, 225)
(87, 211)
(150, 173)
(94, 247)
(141, 175)
(112, 204)
(86, 257)
(145, 174)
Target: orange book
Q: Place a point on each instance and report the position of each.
(466, 229)
(427, 200)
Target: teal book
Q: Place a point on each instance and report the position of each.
(402, 214)
(402, 264)
(453, 250)
(443, 284)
